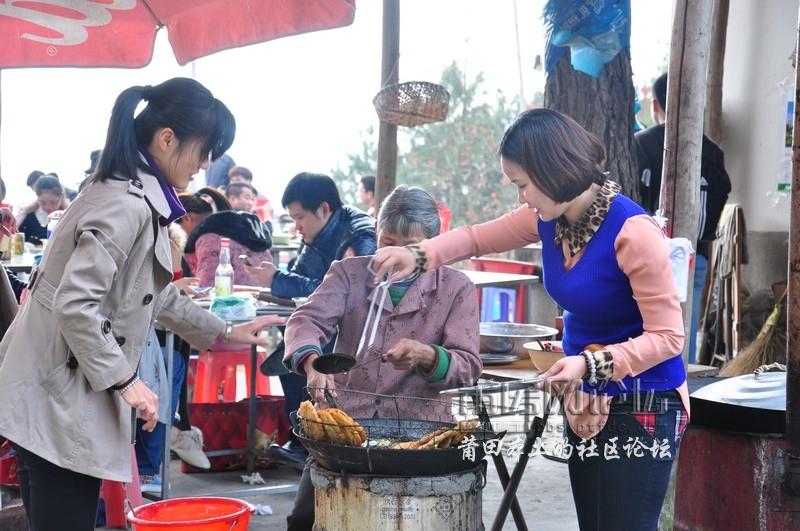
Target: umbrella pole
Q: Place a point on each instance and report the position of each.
(390, 74)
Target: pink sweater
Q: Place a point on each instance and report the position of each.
(642, 254)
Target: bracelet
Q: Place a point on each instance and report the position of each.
(228, 331)
(420, 260)
(121, 388)
(604, 364)
(117, 387)
(591, 367)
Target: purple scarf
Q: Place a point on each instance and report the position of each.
(176, 208)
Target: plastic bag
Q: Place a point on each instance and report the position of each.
(153, 372)
(234, 307)
(681, 254)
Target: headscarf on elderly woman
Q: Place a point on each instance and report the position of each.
(428, 334)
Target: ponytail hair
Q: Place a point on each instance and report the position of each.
(205, 201)
(181, 104)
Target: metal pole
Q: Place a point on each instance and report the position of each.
(165, 464)
(793, 302)
(251, 412)
(510, 493)
(683, 136)
(390, 74)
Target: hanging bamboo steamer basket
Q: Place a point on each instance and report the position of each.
(412, 103)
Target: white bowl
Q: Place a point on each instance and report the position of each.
(544, 354)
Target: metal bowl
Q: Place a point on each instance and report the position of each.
(504, 338)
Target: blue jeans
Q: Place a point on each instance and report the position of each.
(150, 445)
(700, 270)
(626, 493)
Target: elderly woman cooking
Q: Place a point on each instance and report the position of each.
(428, 333)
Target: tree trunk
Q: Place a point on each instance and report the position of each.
(603, 106)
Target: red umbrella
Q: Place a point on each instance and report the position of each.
(121, 33)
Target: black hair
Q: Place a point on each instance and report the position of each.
(660, 91)
(235, 189)
(48, 183)
(2, 190)
(182, 104)
(94, 157)
(241, 171)
(559, 156)
(311, 190)
(33, 177)
(204, 201)
(369, 183)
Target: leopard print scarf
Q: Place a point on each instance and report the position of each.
(582, 232)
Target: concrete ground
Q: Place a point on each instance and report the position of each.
(544, 493)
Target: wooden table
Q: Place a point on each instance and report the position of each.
(519, 370)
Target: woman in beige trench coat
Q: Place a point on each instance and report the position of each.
(68, 385)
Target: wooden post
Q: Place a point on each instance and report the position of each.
(1, 123)
(390, 74)
(793, 296)
(683, 140)
(716, 69)
(683, 136)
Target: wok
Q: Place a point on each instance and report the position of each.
(391, 462)
(741, 403)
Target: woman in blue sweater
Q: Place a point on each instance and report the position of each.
(606, 263)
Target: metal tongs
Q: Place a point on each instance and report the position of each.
(337, 362)
(383, 287)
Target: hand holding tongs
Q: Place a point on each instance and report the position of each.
(383, 287)
(337, 363)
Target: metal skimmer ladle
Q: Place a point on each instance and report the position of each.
(337, 362)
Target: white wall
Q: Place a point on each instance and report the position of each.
(761, 39)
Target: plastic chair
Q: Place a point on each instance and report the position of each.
(518, 303)
(216, 374)
(115, 493)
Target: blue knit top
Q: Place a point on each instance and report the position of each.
(598, 301)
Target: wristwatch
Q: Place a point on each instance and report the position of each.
(228, 331)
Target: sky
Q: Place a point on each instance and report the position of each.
(302, 103)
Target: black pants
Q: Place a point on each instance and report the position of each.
(56, 499)
(302, 516)
(294, 392)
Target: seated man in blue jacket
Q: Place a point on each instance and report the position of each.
(330, 231)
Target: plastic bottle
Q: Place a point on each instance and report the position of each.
(223, 277)
(52, 222)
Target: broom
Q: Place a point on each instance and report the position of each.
(768, 347)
